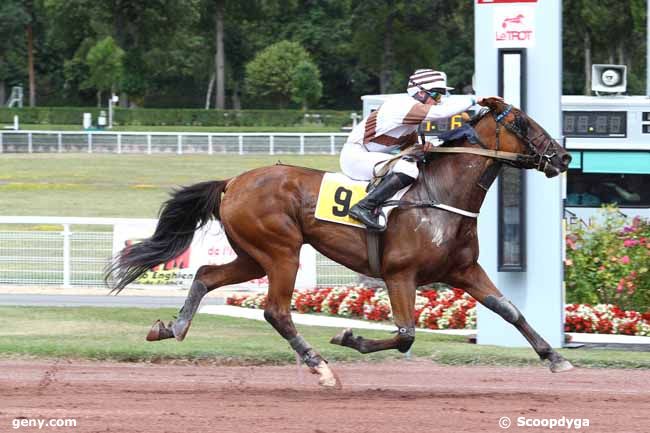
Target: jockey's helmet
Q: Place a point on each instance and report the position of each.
(427, 80)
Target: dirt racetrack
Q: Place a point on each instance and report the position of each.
(406, 396)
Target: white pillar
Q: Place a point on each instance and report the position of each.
(537, 292)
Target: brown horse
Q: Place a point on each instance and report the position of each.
(268, 213)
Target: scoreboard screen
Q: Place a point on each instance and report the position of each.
(437, 127)
(611, 124)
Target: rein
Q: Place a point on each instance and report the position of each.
(518, 160)
(494, 154)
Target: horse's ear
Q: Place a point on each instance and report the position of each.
(493, 104)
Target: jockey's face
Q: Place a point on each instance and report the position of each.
(428, 97)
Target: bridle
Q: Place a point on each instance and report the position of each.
(518, 127)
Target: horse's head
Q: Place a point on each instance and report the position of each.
(516, 132)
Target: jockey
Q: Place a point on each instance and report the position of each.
(394, 126)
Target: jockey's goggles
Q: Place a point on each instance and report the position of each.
(436, 96)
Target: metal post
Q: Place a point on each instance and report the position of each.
(241, 144)
(271, 145)
(119, 143)
(66, 255)
(1, 142)
(29, 142)
(302, 144)
(209, 144)
(149, 144)
(90, 143)
(59, 142)
(180, 145)
(110, 112)
(332, 145)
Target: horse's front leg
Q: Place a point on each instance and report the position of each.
(401, 291)
(475, 281)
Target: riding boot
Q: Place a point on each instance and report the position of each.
(365, 210)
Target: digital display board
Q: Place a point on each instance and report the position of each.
(436, 127)
(609, 124)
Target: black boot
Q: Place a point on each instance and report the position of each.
(364, 211)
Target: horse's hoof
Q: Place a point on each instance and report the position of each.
(159, 332)
(342, 337)
(561, 366)
(180, 328)
(327, 377)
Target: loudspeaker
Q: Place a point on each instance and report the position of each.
(609, 78)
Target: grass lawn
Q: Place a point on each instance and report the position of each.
(177, 128)
(118, 334)
(134, 186)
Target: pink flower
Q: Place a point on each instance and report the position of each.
(630, 243)
(568, 262)
(625, 260)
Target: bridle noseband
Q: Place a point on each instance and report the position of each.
(519, 127)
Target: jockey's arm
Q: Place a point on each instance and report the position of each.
(450, 107)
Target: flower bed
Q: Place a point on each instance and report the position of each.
(605, 319)
(609, 262)
(445, 309)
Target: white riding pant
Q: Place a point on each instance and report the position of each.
(358, 163)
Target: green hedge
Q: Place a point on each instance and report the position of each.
(185, 117)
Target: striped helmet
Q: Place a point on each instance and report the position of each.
(427, 79)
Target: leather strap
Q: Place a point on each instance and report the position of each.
(496, 154)
(373, 241)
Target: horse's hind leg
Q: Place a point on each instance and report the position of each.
(475, 281)
(401, 291)
(207, 278)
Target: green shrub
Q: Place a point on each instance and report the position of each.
(179, 117)
(609, 261)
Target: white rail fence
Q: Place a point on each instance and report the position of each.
(69, 252)
(170, 142)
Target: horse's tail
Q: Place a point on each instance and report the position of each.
(187, 210)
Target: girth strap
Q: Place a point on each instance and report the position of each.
(373, 241)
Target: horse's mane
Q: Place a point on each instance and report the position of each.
(479, 116)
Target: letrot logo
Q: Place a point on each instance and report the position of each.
(514, 27)
(514, 20)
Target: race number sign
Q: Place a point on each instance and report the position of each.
(337, 195)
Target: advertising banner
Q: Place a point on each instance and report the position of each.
(210, 246)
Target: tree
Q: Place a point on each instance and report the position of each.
(270, 74)
(13, 19)
(105, 65)
(306, 87)
(607, 31)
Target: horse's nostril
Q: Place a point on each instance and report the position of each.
(566, 159)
